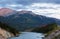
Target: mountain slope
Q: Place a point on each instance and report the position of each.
(26, 20)
(6, 11)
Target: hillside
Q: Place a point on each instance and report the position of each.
(26, 20)
(51, 31)
(7, 31)
(46, 28)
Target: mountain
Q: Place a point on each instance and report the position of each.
(23, 20)
(5, 11)
(57, 21)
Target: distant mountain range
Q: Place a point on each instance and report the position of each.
(22, 20)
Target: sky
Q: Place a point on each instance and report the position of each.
(50, 8)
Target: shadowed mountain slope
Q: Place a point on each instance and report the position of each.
(24, 20)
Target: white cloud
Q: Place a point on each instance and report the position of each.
(47, 9)
(44, 8)
(15, 5)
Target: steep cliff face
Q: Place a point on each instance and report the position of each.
(5, 34)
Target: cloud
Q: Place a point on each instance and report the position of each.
(41, 7)
(46, 9)
(38, 8)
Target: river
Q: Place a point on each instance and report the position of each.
(29, 35)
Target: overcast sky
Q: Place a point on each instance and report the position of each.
(49, 8)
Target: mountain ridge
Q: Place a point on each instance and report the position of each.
(26, 20)
(22, 20)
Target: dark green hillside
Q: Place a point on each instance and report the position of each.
(46, 28)
(26, 21)
(9, 29)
